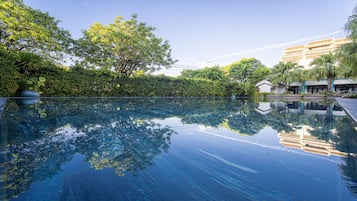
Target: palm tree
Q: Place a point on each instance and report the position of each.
(283, 73)
(347, 53)
(347, 56)
(351, 25)
(301, 75)
(324, 66)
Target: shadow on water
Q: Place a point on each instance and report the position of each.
(123, 134)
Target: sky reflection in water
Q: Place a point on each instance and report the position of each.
(176, 149)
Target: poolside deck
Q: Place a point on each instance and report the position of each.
(298, 97)
(350, 106)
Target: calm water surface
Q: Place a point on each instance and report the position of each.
(176, 149)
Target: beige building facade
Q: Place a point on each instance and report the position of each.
(304, 54)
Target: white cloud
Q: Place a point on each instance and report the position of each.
(272, 46)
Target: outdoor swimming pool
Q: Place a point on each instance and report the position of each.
(176, 149)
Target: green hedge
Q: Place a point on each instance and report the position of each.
(24, 71)
(80, 82)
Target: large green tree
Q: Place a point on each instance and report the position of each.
(26, 29)
(324, 67)
(283, 73)
(211, 73)
(123, 46)
(248, 70)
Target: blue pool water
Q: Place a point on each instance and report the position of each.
(176, 149)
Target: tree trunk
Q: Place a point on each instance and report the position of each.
(329, 85)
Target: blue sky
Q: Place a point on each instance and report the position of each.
(209, 32)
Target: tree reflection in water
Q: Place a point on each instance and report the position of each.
(122, 133)
(107, 136)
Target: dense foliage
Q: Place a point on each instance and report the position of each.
(104, 85)
(19, 70)
(30, 30)
(25, 71)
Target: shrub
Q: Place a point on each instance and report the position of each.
(10, 76)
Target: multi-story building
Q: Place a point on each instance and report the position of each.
(303, 55)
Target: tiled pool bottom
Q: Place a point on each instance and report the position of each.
(176, 149)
